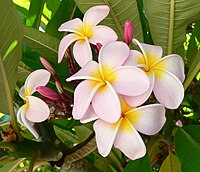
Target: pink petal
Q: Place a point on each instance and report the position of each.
(64, 44)
(82, 52)
(96, 14)
(105, 134)
(135, 58)
(103, 35)
(129, 141)
(89, 71)
(89, 116)
(112, 55)
(135, 101)
(129, 80)
(172, 63)
(147, 119)
(71, 26)
(83, 95)
(37, 78)
(106, 104)
(37, 110)
(21, 115)
(168, 89)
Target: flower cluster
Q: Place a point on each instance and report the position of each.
(113, 87)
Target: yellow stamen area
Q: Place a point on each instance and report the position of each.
(27, 92)
(125, 126)
(159, 73)
(85, 30)
(133, 116)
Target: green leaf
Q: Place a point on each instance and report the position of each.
(168, 21)
(10, 51)
(170, 164)
(82, 132)
(194, 69)
(35, 13)
(23, 72)
(187, 147)
(11, 166)
(120, 11)
(139, 165)
(53, 5)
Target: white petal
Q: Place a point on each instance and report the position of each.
(105, 135)
(96, 14)
(22, 92)
(102, 35)
(38, 110)
(83, 96)
(134, 59)
(64, 44)
(168, 89)
(82, 52)
(129, 141)
(147, 119)
(37, 78)
(89, 116)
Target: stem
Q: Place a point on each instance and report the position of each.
(8, 145)
(171, 28)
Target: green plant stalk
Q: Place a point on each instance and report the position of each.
(171, 28)
(9, 101)
(8, 145)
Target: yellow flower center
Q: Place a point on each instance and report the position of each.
(85, 30)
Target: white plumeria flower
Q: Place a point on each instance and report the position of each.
(104, 81)
(34, 110)
(86, 32)
(123, 134)
(165, 74)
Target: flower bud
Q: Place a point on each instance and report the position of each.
(48, 93)
(98, 46)
(48, 66)
(128, 32)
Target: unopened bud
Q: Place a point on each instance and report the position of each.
(98, 46)
(128, 32)
(48, 93)
(48, 66)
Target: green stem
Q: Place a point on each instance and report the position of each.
(171, 28)
(8, 145)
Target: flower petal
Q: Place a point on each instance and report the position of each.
(83, 96)
(129, 141)
(38, 110)
(71, 26)
(64, 44)
(135, 101)
(129, 80)
(96, 14)
(37, 78)
(172, 63)
(147, 119)
(89, 71)
(168, 89)
(105, 134)
(106, 104)
(22, 115)
(89, 116)
(112, 55)
(103, 35)
(22, 92)
(82, 52)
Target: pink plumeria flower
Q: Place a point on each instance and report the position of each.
(34, 110)
(104, 81)
(165, 74)
(86, 32)
(123, 134)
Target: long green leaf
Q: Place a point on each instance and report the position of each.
(187, 147)
(168, 20)
(10, 50)
(120, 11)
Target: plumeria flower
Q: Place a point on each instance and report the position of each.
(86, 32)
(123, 134)
(34, 110)
(104, 81)
(165, 74)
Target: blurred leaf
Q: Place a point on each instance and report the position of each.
(168, 21)
(82, 132)
(11, 166)
(10, 51)
(35, 13)
(170, 164)
(23, 72)
(139, 165)
(187, 147)
(119, 12)
(53, 5)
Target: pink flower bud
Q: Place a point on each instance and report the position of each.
(48, 66)
(128, 32)
(48, 93)
(98, 46)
